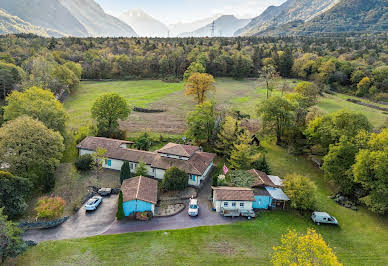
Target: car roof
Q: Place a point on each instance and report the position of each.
(321, 213)
(193, 201)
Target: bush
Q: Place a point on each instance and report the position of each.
(239, 178)
(141, 169)
(84, 162)
(143, 142)
(50, 207)
(175, 179)
(120, 211)
(301, 192)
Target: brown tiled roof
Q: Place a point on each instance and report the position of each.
(261, 192)
(233, 193)
(196, 165)
(262, 179)
(179, 149)
(140, 188)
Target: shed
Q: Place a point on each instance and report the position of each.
(233, 198)
(263, 199)
(140, 194)
(279, 199)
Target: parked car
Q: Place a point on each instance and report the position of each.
(193, 207)
(323, 217)
(93, 203)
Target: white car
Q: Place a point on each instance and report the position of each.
(93, 203)
(323, 217)
(193, 207)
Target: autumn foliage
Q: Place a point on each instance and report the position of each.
(198, 85)
(50, 207)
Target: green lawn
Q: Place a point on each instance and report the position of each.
(138, 93)
(361, 239)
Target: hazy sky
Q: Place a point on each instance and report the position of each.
(172, 11)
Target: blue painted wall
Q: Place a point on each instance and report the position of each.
(262, 202)
(133, 206)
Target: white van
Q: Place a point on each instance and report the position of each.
(323, 217)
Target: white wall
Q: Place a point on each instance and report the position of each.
(174, 156)
(220, 204)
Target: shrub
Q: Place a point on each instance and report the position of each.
(84, 162)
(175, 179)
(141, 169)
(143, 142)
(239, 178)
(50, 207)
(301, 192)
(120, 211)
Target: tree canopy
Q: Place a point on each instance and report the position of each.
(201, 123)
(199, 84)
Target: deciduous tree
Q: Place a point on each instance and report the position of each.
(301, 191)
(199, 84)
(201, 123)
(141, 169)
(175, 179)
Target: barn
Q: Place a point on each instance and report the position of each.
(140, 194)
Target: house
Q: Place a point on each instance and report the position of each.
(140, 194)
(233, 198)
(196, 163)
(267, 191)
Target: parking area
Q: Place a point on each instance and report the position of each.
(81, 224)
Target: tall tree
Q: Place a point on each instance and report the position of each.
(194, 67)
(99, 160)
(107, 110)
(229, 133)
(268, 73)
(241, 156)
(125, 172)
(199, 84)
(39, 104)
(301, 191)
(201, 123)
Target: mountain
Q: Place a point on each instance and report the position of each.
(95, 20)
(224, 26)
(345, 16)
(79, 18)
(12, 24)
(144, 24)
(290, 10)
(181, 27)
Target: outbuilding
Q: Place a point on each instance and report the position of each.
(233, 199)
(140, 194)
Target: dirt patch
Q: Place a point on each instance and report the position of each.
(221, 247)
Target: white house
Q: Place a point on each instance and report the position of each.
(196, 163)
(233, 198)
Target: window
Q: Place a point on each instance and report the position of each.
(109, 163)
(193, 177)
(242, 204)
(226, 204)
(233, 204)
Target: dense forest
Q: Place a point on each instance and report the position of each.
(353, 64)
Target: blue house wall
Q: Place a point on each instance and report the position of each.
(262, 202)
(130, 207)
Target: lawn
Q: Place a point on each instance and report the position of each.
(361, 239)
(242, 95)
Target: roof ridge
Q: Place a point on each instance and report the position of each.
(138, 187)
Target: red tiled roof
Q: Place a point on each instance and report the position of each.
(140, 188)
(179, 149)
(262, 179)
(233, 193)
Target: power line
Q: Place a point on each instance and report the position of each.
(212, 28)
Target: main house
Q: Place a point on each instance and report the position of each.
(196, 163)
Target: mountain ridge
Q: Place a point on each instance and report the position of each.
(144, 24)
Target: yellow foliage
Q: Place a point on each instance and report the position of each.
(304, 249)
(198, 85)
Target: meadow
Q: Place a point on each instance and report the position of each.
(242, 95)
(361, 238)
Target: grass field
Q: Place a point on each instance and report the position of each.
(361, 238)
(242, 95)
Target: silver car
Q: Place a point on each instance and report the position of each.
(323, 217)
(93, 203)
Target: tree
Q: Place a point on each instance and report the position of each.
(240, 178)
(301, 191)
(285, 62)
(125, 172)
(143, 142)
(363, 87)
(199, 84)
(226, 137)
(194, 67)
(241, 156)
(39, 104)
(261, 165)
(99, 160)
(380, 78)
(268, 72)
(13, 193)
(371, 171)
(303, 249)
(120, 210)
(50, 207)
(107, 110)
(308, 90)
(11, 244)
(141, 169)
(201, 123)
(31, 150)
(84, 162)
(174, 179)
(277, 115)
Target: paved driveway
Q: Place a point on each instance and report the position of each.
(82, 224)
(182, 220)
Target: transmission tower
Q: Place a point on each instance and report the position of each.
(212, 28)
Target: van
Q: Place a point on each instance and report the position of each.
(323, 217)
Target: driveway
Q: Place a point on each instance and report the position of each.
(182, 220)
(81, 224)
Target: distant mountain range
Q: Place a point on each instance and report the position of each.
(80, 18)
(224, 26)
(184, 27)
(144, 24)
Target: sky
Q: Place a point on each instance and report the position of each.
(174, 11)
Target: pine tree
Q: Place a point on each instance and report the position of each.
(241, 156)
(125, 172)
(262, 165)
(120, 211)
(226, 138)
